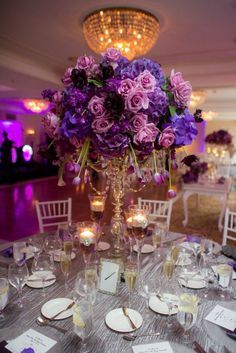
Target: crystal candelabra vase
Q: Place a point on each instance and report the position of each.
(116, 173)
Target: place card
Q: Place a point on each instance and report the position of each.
(31, 339)
(160, 347)
(222, 317)
(109, 276)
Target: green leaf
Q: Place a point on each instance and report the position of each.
(96, 82)
(172, 110)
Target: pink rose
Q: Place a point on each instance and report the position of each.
(85, 62)
(102, 125)
(136, 100)
(181, 89)
(96, 106)
(147, 134)
(51, 123)
(126, 86)
(112, 54)
(146, 81)
(57, 97)
(167, 137)
(138, 121)
(66, 79)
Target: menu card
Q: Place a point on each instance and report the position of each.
(222, 317)
(160, 347)
(31, 339)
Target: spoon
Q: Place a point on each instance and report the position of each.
(132, 337)
(41, 321)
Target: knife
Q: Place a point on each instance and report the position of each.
(62, 311)
(198, 348)
(125, 312)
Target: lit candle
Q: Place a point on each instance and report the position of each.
(139, 220)
(129, 222)
(97, 206)
(87, 237)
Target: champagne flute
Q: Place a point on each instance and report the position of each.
(131, 273)
(17, 276)
(4, 292)
(187, 314)
(83, 323)
(65, 262)
(43, 268)
(168, 268)
(175, 251)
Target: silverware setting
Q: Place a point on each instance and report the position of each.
(132, 337)
(40, 280)
(125, 312)
(62, 311)
(41, 321)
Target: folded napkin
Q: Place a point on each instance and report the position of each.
(193, 239)
(8, 252)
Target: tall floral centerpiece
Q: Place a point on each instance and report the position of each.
(118, 116)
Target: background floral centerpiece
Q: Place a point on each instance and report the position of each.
(119, 109)
(220, 137)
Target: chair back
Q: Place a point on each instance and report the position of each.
(229, 226)
(158, 210)
(52, 214)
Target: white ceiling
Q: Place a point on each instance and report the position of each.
(197, 37)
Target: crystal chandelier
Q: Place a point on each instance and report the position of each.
(197, 97)
(36, 105)
(133, 31)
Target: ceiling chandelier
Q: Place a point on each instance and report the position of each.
(133, 31)
(35, 105)
(197, 97)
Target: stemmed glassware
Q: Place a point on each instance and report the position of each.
(4, 292)
(37, 245)
(43, 267)
(87, 233)
(65, 262)
(187, 314)
(83, 323)
(52, 245)
(19, 252)
(17, 276)
(148, 289)
(131, 273)
(86, 285)
(97, 207)
(139, 229)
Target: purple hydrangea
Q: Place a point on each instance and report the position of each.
(184, 128)
(109, 144)
(158, 103)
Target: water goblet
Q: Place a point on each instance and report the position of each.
(187, 314)
(83, 323)
(37, 245)
(52, 245)
(19, 252)
(130, 273)
(43, 267)
(224, 279)
(65, 263)
(86, 285)
(148, 289)
(17, 276)
(4, 292)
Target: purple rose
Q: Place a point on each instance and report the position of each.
(57, 97)
(85, 63)
(66, 79)
(102, 125)
(138, 121)
(51, 123)
(112, 54)
(167, 137)
(181, 89)
(147, 134)
(146, 81)
(126, 86)
(96, 106)
(136, 100)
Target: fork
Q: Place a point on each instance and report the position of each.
(125, 312)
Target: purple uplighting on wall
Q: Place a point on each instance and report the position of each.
(14, 130)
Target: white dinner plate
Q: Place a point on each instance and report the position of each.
(35, 282)
(57, 255)
(117, 321)
(161, 307)
(183, 261)
(103, 245)
(146, 248)
(195, 283)
(54, 306)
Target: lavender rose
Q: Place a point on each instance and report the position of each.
(126, 86)
(136, 100)
(102, 125)
(147, 134)
(146, 81)
(57, 97)
(96, 106)
(112, 54)
(51, 123)
(181, 89)
(167, 137)
(85, 63)
(66, 79)
(138, 121)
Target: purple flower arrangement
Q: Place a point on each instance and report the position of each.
(119, 107)
(220, 137)
(195, 169)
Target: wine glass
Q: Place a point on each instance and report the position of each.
(139, 229)
(19, 252)
(148, 288)
(37, 245)
(86, 284)
(65, 263)
(187, 314)
(83, 323)
(4, 292)
(17, 276)
(131, 273)
(43, 267)
(53, 245)
(87, 234)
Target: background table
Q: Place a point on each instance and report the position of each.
(103, 339)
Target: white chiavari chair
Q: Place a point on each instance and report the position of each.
(158, 210)
(229, 226)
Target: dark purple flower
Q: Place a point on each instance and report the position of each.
(188, 160)
(184, 128)
(106, 70)
(198, 116)
(48, 94)
(190, 177)
(220, 137)
(171, 194)
(73, 97)
(114, 104)
(79, 78)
